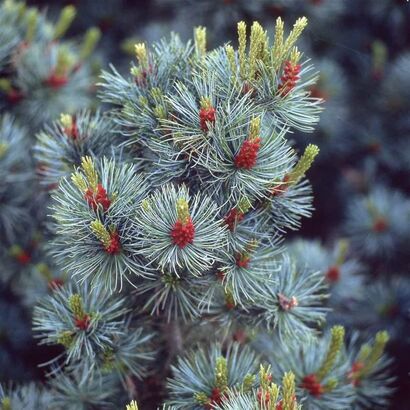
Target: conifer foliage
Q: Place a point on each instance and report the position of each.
(167, 216)
(41, 74)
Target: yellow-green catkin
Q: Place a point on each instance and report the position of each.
(11, 5)
(5, 403)
(3, 149)
(205, 103)
(364, 352)
(304, 163)
(79, 181)
(201, 398)
(221, 374)
(182, 210)
(146, 204)
(101, 232)
(268, 389)
(342, 249)
(160, 112)
(16, 250)
(32, 21)
(44, 271)
(273, 395)
(242, 49)
(128, 45)
(200, 41)
(65, 338)
(66, 120)
(244, 205)
(297, 30)
(87, 176)
(5, 85)
(256, 48)
(20, 7)
(331, 385)
(276, 51)
(76, 305)
(156, 94)
(87, 165)
(67, 16)
(264, 376)
(142, 54)
(255, 128)
(375, 353)
(65, 60)
(230, 54)
(285, 48)
(295, 55)
(336, 343)
(288, 391)
(91, 38)
(132, 406)
(248, 382)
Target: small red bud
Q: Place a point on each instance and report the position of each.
(183, 234)
(333, 274)
(23, 257)
(263, 397)
(312, 385)
(97, 198)
(289, 78)
(353, 374)
(282, 187)
(14, 96)
(380, 225)
(220, 275)
(55, 284)
(242, 261)
(206, 115)
(215, 398)
(248, 154)
(72, 131)
(233, 217)
(56, 81)
(114, 246)
(82, 323)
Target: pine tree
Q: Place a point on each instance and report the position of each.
(41, 74)
(167, 220)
